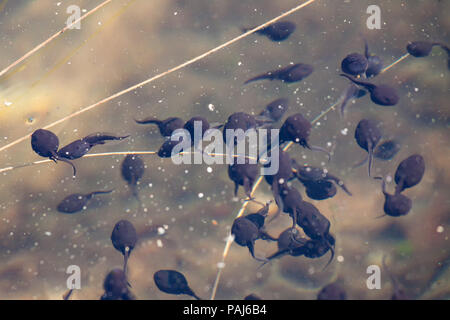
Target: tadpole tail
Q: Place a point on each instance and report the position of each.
(264, 211)
(101, 192)
(265, 236)
(316, 148)
(361, 163)
(349, 94)
(125, 261)
(262, 120)
(277, 254)
(343, 187)
(236, 188)
(399, 187)
(191, 293)
(149, 120)
(340, 183)
(135, 193)
(70, 163)
(300, 241)
(248, 188)
(366, 49)
(262, 76)
(332, 255)
(370, 148)
(251, 248)
(100, 138)
(67, 295)
(360, 83)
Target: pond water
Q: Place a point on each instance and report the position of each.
(186, 211)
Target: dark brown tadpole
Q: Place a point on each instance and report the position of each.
(201, 121)
(245, 234)
(352, 92)
(166, 127)
(243, 175)
(101, 138)
(80, 147)
(45, 143)
(202, 124)
(76, 202)
(316, 248)
(320, 189)
(259, 218)
(276, 109)
(409, 172)
(318, 182)
(173, 282)
(381, 94)
(317, 227)
(297, 128)
(314, 224)
(354, 64)
(332, 291)
(289, 243)
(116, 286)
(236, 122)
(375, 64)
(124, 238)
(166, 149)
(277, 31)
(246, 230)
(252, 296)
(132, 170)
(291, 201)
(387, 150)
(420, 49)
(289, 74)
(368, 135)
(75, 150)
(395, 205)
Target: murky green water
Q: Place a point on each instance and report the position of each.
(129, 41)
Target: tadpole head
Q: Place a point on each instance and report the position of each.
(124, 237)
(45, 143)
